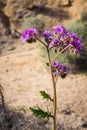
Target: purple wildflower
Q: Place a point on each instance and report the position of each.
(75, 42)
(48, 36)
(54, 43)
(61, 30)
(59, 68)
(29, 34)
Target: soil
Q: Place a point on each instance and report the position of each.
(23, 74)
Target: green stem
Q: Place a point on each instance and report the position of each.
(54, 93)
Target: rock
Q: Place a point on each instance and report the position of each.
(84, 122)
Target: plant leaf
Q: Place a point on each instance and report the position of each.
(45, 95)
(40, 113)
(47, 64)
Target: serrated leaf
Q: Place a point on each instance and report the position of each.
(40, 113)
(47, 64)
(45, 95)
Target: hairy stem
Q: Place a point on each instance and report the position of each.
(42, 42)
(60, 53)
(54, 93)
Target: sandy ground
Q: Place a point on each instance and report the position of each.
(23, 75)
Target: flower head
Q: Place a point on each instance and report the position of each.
(59, 68)
(54, 43)
(75, 42)
(29, 34)
(61, 30)
(48, 36)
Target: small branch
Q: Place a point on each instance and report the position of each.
(51, 99)
(51, 116)
(56, 79)
(60, 53)
(42, 42)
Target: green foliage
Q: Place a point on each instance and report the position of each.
(2, 119)
(45, 95)
(33, 22)
(40, 113)
(84, 15)
(47, 63)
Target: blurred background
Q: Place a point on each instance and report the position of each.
(22, 70)
(18, 15)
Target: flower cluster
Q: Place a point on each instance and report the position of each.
(75, 42)
(60, 39)
(59, 69)
(54, 43)
(30, 35)
(60, 30)
(48, 36)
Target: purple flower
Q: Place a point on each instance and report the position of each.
(54, 43)
(75, 42)
(29, 34)
(48, 36)
(61, 30)
(59, 68)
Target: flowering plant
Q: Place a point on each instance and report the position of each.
(61, 41)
